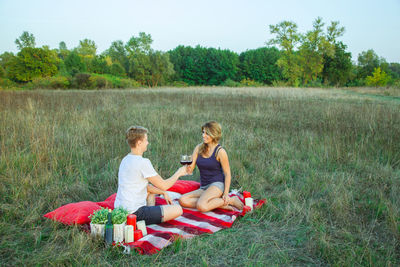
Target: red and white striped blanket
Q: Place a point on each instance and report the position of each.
(190, 224)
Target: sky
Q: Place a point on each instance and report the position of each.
(237, 25)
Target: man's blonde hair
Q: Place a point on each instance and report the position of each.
(134, 134)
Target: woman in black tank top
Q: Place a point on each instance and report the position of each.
(215, 174)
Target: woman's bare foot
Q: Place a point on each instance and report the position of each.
(235, 201)
(227, 207)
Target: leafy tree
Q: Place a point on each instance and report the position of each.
(87, 51)
(140, 68)
(287, 38)
(32, 62)
(337, 69)
(98, 64)
(137, 51)
(394, 70)
(74, 63)
(25, 40)
(151, 69)
(140, 44)
(161, 67)
(221, 65)
(189, 64)
(118, 54)
(63, 51)
(260, 65)
(368, 61)
(378, 78)
(6, 60)
(204, 66)
(314, 46)
(117, 70)
(86, 47)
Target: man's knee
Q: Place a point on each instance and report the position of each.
(179, 210)
(151, 199)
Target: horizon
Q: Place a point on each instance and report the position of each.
(225, 24)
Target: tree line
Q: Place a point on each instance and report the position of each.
(291, 58)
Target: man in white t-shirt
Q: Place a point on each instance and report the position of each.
(134, 191)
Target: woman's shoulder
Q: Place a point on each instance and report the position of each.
(220, 151)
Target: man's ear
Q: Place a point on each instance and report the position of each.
(139, 142)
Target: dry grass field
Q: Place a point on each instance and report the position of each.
(327, 160)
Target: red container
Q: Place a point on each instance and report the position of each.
(131, 220)
(137, 235)
(245, 210)
(246, 194)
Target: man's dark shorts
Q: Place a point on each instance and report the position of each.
(150, 214)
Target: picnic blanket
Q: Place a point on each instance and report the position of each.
(191, 223)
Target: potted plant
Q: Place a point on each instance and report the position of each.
(97, 222)
(119, 220)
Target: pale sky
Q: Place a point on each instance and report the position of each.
(236, 25)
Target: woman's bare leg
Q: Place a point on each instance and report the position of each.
(233, 202)
(210, 199)
(189, 200)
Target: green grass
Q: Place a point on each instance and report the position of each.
(327, 161)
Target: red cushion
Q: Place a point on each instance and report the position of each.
(73, 213)
(109, 202)
(183, 186)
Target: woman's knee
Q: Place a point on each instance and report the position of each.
(182, 200)
(202, 206)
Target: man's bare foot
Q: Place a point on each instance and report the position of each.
(235, 201)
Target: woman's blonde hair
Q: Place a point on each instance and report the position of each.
(213, 129)
(134, 134)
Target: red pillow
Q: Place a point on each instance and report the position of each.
(109, 202)
(184, 186)
(73, 213)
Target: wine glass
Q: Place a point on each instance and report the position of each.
(186, 160)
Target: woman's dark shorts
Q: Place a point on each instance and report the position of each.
(150, 214)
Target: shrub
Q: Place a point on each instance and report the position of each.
(57, 82)
(250, 83)
(231, 83)
(315, 83)
(179, 84)
(98, 82)
(82, 80)
(7, 83)
(396, 84)
(378, 78)
(279, 83)
(129, 83)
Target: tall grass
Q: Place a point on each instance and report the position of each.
(328, 163)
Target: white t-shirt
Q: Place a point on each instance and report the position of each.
(132, 182)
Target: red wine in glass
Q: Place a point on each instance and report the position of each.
(186, 160)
